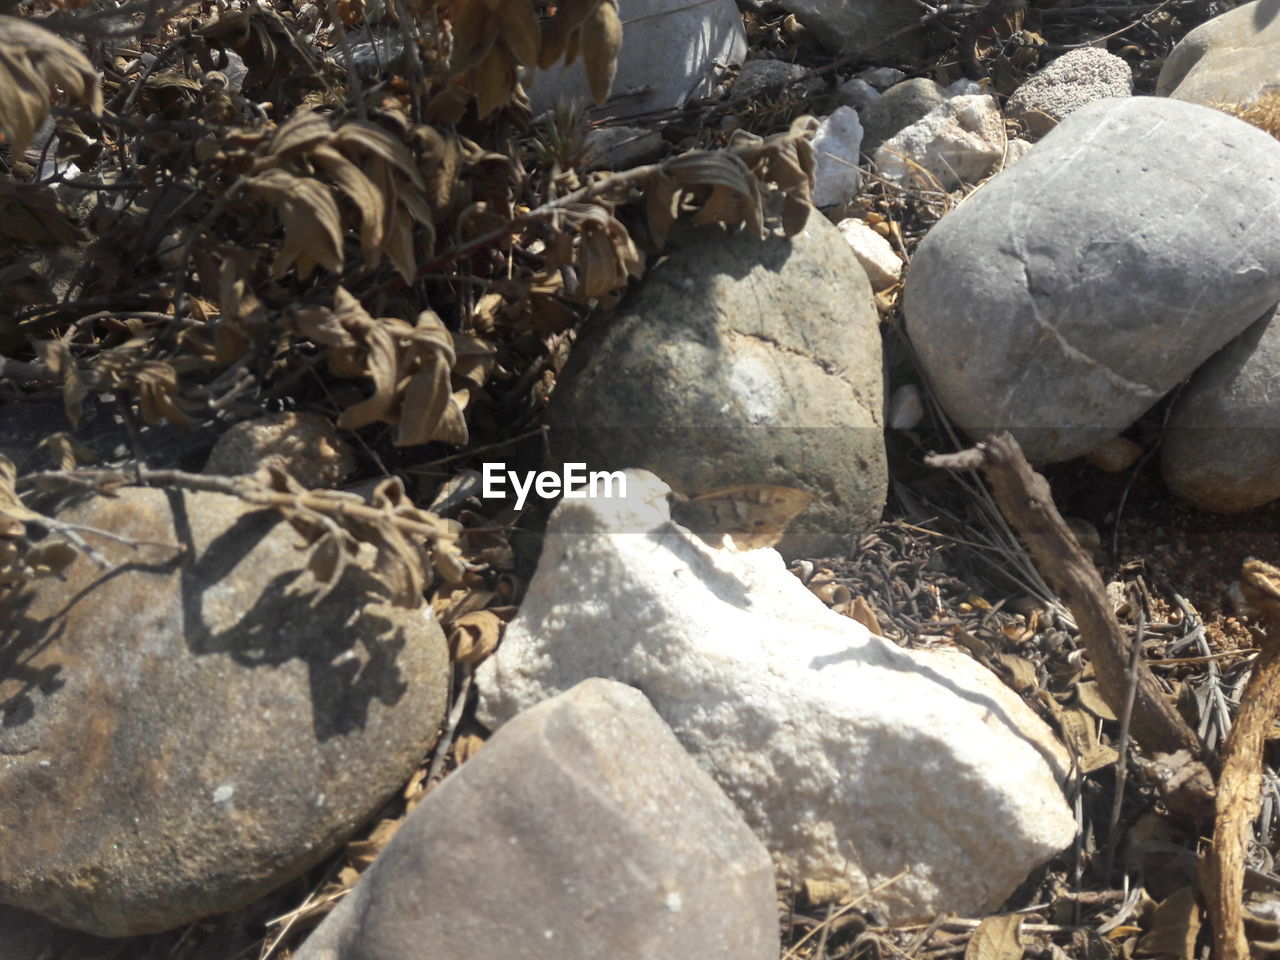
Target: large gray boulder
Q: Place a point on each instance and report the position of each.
(848, 25)
(185, 731)
(1222, 447)
(1077, 287)
(740, 361)
(913, 780)
(581, 831)
(1230, 59)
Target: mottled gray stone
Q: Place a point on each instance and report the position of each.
(769, 78)
(1230, 59)
(1078, 77)
(740, 361)
(1221, 450)
(959, 141)
(1071, 292)
(304, 445)
(848, 25)
(182, 734)
(898, 107)
(581, 831)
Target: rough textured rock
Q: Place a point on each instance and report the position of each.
(898, 107)
(874, 252)
(761, 77)
(1072, 291)
(740, 361)
(182, 734)
(1232, 58)
(835, 152)
(672, 51)
(851, 758)
(1078, 77)
(304, 445)
(581, 830)
(1222, 447)
(959, 141)
(848, 25)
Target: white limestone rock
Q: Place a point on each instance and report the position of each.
(959, 141)
(835, 147)
(874, 252)
(852, 759)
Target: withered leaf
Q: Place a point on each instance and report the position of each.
(33, 63)
(601, 40)
(312, 224)
(997, 938)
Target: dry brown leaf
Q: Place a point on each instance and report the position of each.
(34, 62)
(997, 938)
(32, 213)
(601, 39)
(473, 636)
(312, 224)
(1174, 927)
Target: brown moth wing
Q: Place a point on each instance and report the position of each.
(755, 514)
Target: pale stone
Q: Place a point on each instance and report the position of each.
(959, 141)
(582, 831)
(1066, 84)
(672, 51)
(852, 759)
(874, 252)
(1233, 58)
(835, 148)
(857, 93)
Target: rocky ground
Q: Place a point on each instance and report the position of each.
(279, 678)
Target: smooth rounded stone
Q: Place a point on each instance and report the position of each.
(581, 831)
(740, 361)
(857, 93)
(1222, 445)
(1231, 59)
(898, 107)
(852, 759)
(304, 445)
(1074, 289)
(672, 51)
(769, 78)
(1078, 77)
(874, 252)
(882, 78)
(622, 147)
(835, 150)
(183, 734)
(959, 141)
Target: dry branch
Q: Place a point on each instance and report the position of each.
(1241, 780)
(1026, 501)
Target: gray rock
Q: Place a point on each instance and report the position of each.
(740, 361)
(1230, 59)
(1078, 77)
(622, 147)
(768, 78)
(581, 830)
(1222, 446)
(857, 93)
(852, 759)
(304, 445)
(959, 141)
(900, 106)
(1072, 291)
(672, 52)
(181, 735)
(849, 25)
